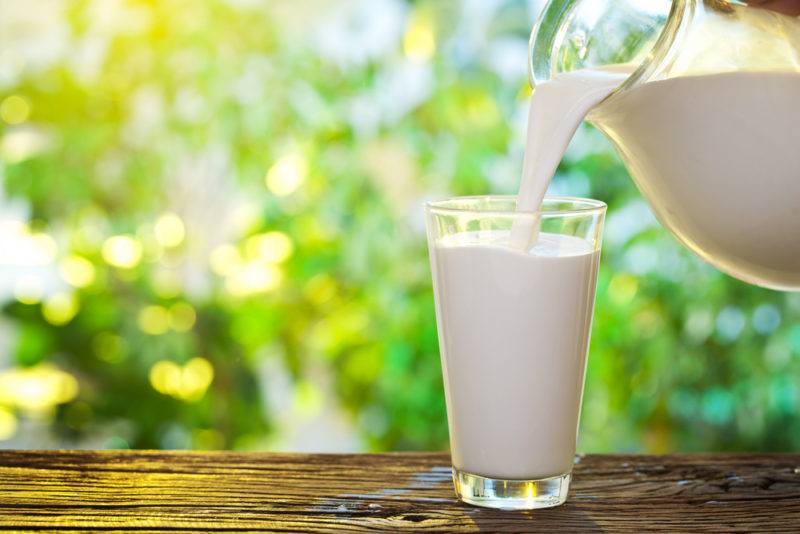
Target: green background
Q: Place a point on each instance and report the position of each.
(190, 127)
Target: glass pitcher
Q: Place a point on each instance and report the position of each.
(707, 122)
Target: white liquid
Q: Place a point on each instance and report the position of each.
(514, 317)
(718, 159)
(513, 332)
(556, 110)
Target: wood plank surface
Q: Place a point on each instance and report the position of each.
(187, 491)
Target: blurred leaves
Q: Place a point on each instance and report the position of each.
(212, 223)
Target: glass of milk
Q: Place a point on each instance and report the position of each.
(514, 330)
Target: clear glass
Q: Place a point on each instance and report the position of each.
(514, 331)
(706, 122)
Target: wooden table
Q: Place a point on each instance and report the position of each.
(186, 491)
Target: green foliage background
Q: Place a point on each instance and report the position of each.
(174, 106)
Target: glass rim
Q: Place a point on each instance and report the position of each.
(579, 206)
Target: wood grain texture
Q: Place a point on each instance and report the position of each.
(164, 491)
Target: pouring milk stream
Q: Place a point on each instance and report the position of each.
(557, 108)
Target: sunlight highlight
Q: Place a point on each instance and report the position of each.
(253, 278)
(419, 42)
(37, 389)
(28, 289)
(77, 271)
(269, 247)
(169, 230)
(14, 109)
(188, 383)
(622, 289)
(122, 251)
(153, 320)
(8, 424)
(182, 317)
(225, 259)
(531, 490)
(60, 308)
(287, 174)
(23, 143)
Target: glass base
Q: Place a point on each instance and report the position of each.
(511, 494)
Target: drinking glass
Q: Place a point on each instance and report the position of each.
(514, 329)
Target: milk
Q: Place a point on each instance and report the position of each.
(557, 108)
(513, 330)
(514, 311)
(718, 158)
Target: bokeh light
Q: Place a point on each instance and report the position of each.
(622, 289)
(188, 382)
(269, 247)
(77, 271)
(287, 174)
(225, 260)
(14, 109)
(419, 41)
(8, 424)
(22, 144)
(60, 308)
(37, 389)
(122, 251)
(182, 317)
(252, 278)
(169, 230)
(109, 347)
(154, 320)
(28, 289)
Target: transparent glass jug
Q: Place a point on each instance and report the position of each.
(707, 122)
